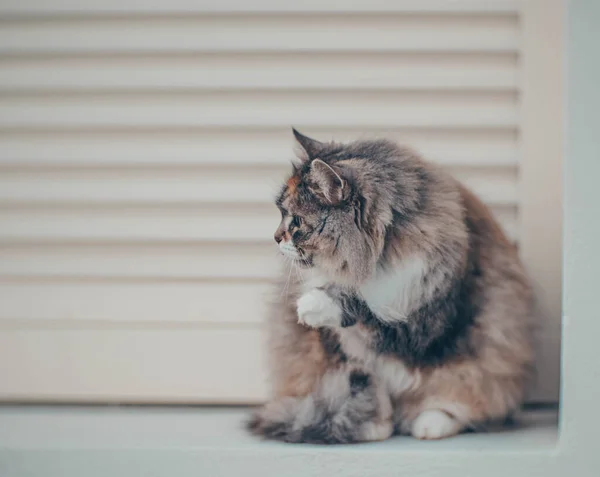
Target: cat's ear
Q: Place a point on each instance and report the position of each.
(326, 182)
(310, 147)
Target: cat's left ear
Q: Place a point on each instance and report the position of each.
(311, 147)
(327, 183)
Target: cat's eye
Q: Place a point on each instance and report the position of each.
(296, 221)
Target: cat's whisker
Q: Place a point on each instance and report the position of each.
(299, 273)
(287, 283)
(296, 270)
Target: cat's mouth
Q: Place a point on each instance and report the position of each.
(287, 248)
(296, 254)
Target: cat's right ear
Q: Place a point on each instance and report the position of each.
(310, 147)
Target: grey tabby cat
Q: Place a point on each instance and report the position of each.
(411, 314)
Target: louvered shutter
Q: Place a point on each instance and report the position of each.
(141, 144)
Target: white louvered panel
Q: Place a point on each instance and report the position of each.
(231, 145)
(260, 109)
(234, 33)
(142, 143)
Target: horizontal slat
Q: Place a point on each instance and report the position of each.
(237, 146)
(290, 71)
(142, 186)
(157, 224)
(161, 365)
(495, 187)
(187, 33)
(197, 185)
(224, 366)
(187, 224)
(170, 303)
(111, 261)
(38, 7)
(376, 109)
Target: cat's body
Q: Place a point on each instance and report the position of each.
(409, 312)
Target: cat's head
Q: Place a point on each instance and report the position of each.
(324, 222)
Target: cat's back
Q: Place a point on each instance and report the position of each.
(496, 255)
(501, 291)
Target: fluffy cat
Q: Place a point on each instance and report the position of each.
(410, 311)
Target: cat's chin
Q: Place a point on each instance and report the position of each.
(301, 261)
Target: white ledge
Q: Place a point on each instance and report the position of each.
(113, 441)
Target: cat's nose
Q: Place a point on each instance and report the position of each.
(278, 237)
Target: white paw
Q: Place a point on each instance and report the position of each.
(316, 309)
(434, 424)
(380, 431)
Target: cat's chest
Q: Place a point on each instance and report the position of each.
(355, 341)
(392, 294)
(311, 279)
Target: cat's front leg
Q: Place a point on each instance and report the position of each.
(318, 309)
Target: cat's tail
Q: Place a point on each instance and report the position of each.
(347, 406)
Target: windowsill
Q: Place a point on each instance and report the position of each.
(38, 439)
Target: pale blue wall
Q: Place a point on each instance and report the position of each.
(582, 160)
(582, 213)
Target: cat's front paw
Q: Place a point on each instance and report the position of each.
(435, 424)
(317, 309)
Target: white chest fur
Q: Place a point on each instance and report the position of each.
(313, 278)
(393, 294)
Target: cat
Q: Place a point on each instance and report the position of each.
(409, 311)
